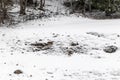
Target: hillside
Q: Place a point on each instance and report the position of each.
(52, 44)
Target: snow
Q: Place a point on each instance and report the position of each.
(55, 65)
(80, 24)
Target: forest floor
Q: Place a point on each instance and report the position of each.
(60, 48)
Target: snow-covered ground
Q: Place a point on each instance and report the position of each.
(92, 63)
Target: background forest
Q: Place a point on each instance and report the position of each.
(98, 9)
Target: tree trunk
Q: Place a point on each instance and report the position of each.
(29, 2)
(42, 4)
(89, 3)
(35, 3)
(3, 11)
(23, 4)
(84, 7)
(72, 9)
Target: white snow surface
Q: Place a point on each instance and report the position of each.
(56, 65)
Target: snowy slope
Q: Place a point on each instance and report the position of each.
(53, 64)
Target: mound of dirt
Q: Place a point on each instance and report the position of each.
(110, 49)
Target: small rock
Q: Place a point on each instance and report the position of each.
(18, 72)
(17, 64)
(74, 44)
(30, 75)
(10, 74)
(3, 34)
(118, 35)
